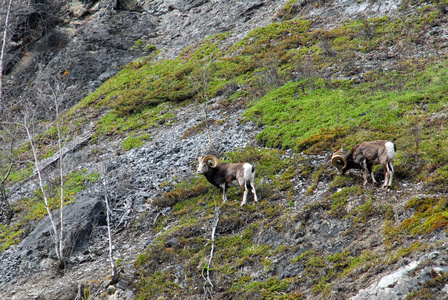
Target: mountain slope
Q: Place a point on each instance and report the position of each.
(305, 81)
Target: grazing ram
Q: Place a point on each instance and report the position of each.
(223, 175)
(366, 154)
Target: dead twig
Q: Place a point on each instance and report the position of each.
(208, 285)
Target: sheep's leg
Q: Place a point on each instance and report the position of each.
(386, 175)
(224, 193)
(244, 195)
(391, 173)
(364, 177)
(386, 180)
(389, 169)
(364, 167)
(369, 167)
(250, 185)
(253, 192)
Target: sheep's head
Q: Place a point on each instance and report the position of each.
(203, 163)
(338, 160)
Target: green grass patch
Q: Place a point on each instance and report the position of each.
(290, 115)
(21, 173)
(156, 285)
(133, 141)
(325, 269)
(27, 211)
(338, 201)
(370, 209)
(272, 288)
(289, 10)
(432, 288)
(73, 183)
(430, 214)
(115, 124)
(9, 236)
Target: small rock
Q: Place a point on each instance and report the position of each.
(433, 255)
(172, 243)
(111, 290)
(129, 295)
(122, 285)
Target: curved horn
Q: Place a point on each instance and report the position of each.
(338, 160)
(211, 157)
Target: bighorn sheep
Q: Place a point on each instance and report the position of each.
(366, 154)
(223, 175)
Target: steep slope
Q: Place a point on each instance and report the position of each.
(84, 43)
(280, 97)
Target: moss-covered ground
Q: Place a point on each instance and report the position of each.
(247, 256)
(303, 108)
(312, 91)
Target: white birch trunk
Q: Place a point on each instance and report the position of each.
(41, 185)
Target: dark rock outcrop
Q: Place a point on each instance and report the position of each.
(80, 220)
(83, 43)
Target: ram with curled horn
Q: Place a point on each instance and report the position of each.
(366, 154)
(224, 175)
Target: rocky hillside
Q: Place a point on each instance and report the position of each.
(148, 86)
(87, 42)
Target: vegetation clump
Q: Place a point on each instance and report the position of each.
(30, 210)
(279, 69)
(429, 215)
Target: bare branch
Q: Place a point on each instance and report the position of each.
(109, 232)
(56, 100)
(41, 185)
(208, 289)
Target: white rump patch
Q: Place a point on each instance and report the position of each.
(390, 149)
(247, 172)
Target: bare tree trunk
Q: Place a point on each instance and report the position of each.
(54, 94)
(208, 281)
(79, 294)
(44, 195)
(2, 56)
(109, 232)
(61, 170)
